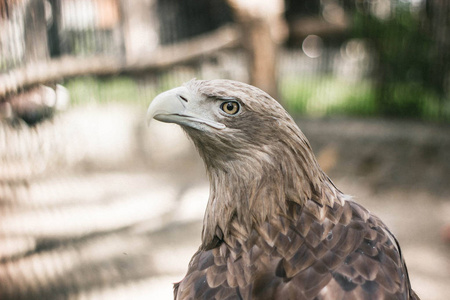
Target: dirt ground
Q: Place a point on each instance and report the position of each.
(115, 211)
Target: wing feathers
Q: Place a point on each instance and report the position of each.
(348, 255)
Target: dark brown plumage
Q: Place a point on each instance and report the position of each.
(275, 226)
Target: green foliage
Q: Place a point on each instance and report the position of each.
(404, 85)
(413, 100)
(93, 89)
(327, 95)
(402, 46)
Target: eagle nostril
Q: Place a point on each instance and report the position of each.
(183, 98)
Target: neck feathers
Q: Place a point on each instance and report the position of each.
(256, 187)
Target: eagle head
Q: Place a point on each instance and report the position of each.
(227, 120)
(256, 157)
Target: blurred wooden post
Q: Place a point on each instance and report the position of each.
(140, 28)
(36, 46)
(263, 29)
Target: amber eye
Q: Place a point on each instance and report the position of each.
(230, 107)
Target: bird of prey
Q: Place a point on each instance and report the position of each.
(275, 226)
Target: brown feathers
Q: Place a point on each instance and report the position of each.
(284, 259)
(275, 226)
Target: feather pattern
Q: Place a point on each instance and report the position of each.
(352, 258)
(275, 226)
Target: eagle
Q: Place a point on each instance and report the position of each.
(275, 226)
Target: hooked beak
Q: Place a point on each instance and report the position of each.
(178, 106)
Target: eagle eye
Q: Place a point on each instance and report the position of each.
(230, 107)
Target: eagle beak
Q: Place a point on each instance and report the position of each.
(179, 106)
(167, 104)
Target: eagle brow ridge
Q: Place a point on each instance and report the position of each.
(226, 98)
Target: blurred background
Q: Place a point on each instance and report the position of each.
(95, 205)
